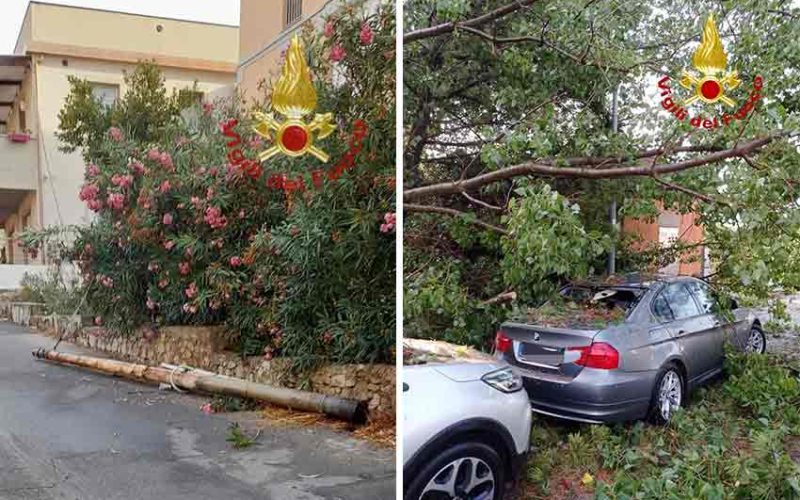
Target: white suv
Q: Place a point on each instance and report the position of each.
(466, 430)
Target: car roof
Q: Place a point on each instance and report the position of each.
(633, 281)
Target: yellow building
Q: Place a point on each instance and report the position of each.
(38, 184)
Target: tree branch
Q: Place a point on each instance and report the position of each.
(577, 169)
(690, 192)
(509, 296)
(483, 203)
(410, 207)
(445, 28)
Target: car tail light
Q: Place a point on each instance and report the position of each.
(598, 355)
(501, 342)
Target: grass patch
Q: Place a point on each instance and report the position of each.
(738, 439)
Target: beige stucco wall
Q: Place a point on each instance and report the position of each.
(109, 35)
(65, 173)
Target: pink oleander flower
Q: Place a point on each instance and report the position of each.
(122, 181)
(116, 201)
(154, 155)
(136, 167)
(165, 187)
(115, 134)
(189, 308)
(151, 304)
(191, 290)
(95, 205)
(255, 142)
(337, 53)
(268, 353)
(184, 268)
(92, 170)
(366, 36)
(166, 161)
(389, 222)
(207, 409)
(208, 108)
(106, 281)
(153, 267)
(167, 219)
(169, 244)
(89, 192)
(236, 261)
(329, 30)
(98, 320)
(214, 218)
(163, 283)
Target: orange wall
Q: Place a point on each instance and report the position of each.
(263, 37)
(688, 231)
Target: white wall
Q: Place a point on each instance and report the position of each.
(61, 173)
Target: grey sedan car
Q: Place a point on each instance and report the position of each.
(664, 337)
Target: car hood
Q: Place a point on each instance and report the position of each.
(468, 372)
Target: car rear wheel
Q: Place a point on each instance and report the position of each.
(668, 394)
(756, 341)
(467, 471)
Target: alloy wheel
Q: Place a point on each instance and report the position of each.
(670, 394)
(467, 478)
(755, 342)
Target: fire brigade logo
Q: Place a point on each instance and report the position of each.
(294, 97)
(710, 83)
(710, 60)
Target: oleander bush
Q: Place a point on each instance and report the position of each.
(184, 236)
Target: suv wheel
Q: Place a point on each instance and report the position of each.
(668, 394)
(467, 471)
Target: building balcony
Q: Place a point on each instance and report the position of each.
(18, 163)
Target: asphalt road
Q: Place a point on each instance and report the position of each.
(71, 434)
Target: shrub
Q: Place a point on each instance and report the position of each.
(182, 236)
(733, 441)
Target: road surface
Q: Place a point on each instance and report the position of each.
(71, 434)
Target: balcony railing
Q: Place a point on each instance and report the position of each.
(18, 163)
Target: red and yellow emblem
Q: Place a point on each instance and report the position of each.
(294, 97)
(710, 60)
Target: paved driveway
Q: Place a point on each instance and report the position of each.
(72, 434)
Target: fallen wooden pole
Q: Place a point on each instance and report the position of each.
(345, 409)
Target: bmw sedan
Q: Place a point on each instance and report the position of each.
(629, 351)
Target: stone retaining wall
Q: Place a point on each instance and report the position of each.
(204, 348)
